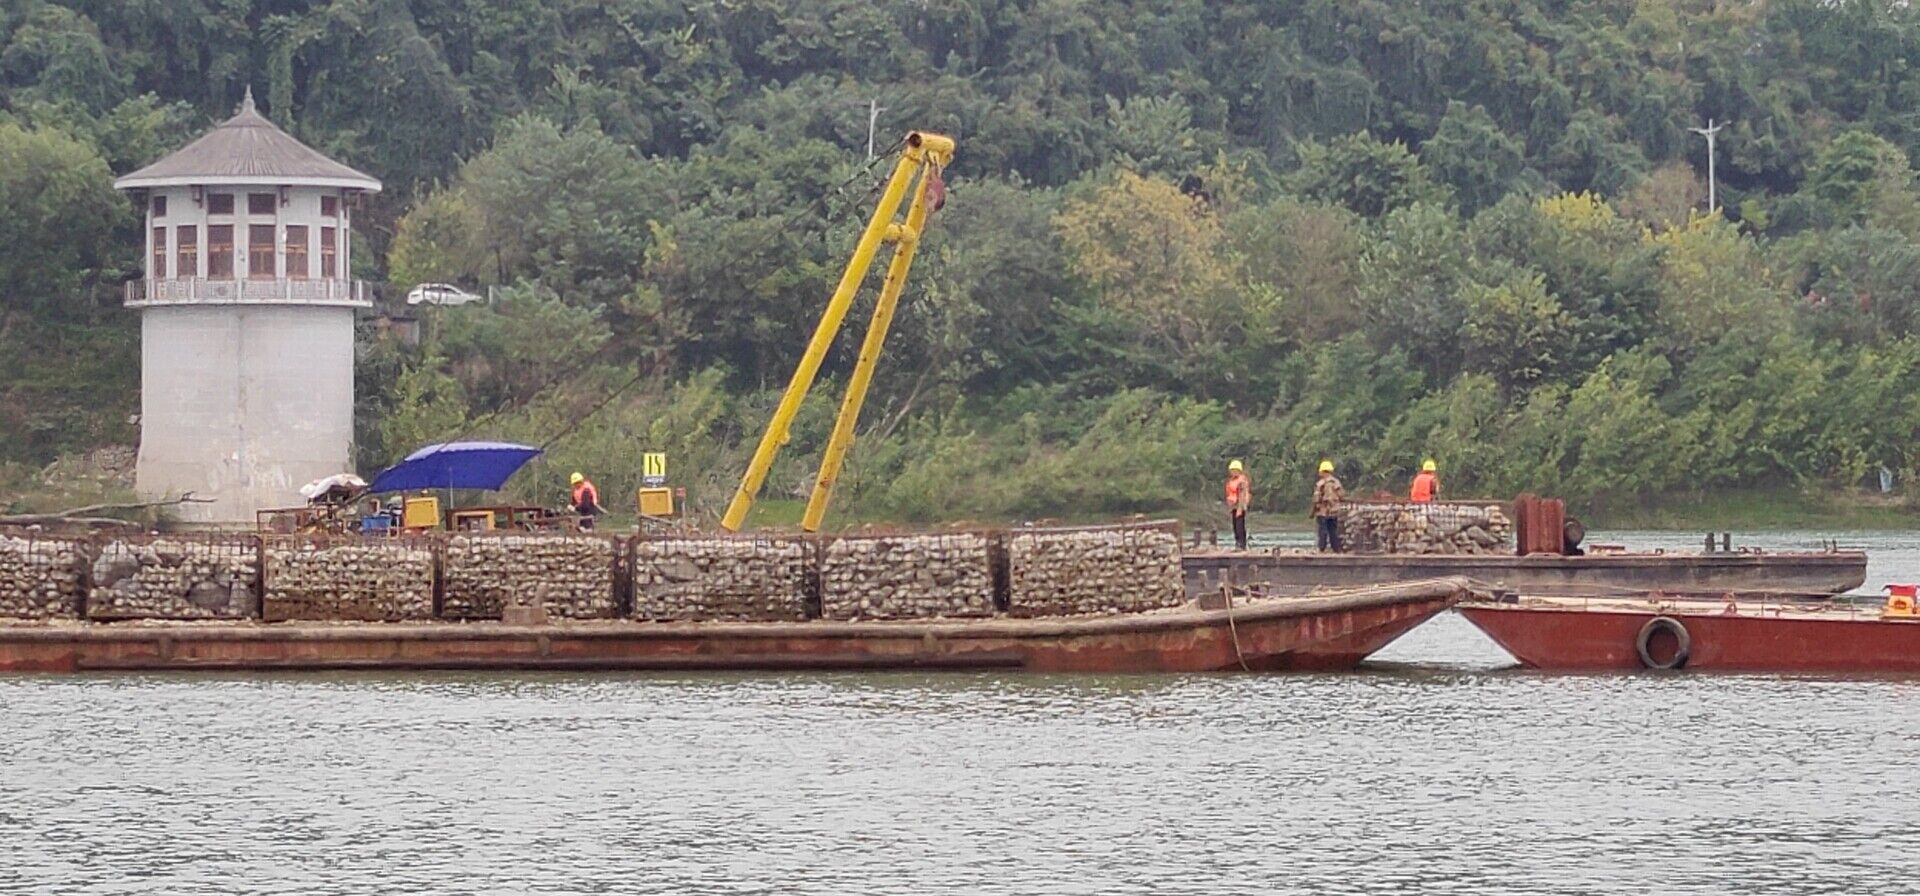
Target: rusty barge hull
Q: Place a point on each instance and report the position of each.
(1318, 633)
(1824, 572)
(1576, 639)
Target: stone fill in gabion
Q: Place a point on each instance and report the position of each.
(573, 575)
(358, 580)
(1439, 528)
(175, 577)
(41, 577)
(715, 578)
(1067, 572)
(907, 576)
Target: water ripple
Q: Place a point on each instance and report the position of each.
(1445, 782)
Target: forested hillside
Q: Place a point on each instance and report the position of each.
(1178, 232)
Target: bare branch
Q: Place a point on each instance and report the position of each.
(89, 515)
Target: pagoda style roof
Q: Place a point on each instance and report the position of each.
(248, 149)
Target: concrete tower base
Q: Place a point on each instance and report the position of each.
(243, 404)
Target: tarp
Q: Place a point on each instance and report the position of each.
(338, 483)
(482, 465)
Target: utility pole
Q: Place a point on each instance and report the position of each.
(1713, 199)
(873, 121)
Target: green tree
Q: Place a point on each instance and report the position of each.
(1514, 330)
(429, 405)
(1152, 258)
(567, 207)
(1309, 253)
(1156, 135)
(59, 57)
(61, 228)
(1848, 174)
(1712, 280)
(1470, 154)
(1411, 278)
(1365, 175)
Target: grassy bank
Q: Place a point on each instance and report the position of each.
(25, 490)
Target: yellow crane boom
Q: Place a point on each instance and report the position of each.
(924, 157)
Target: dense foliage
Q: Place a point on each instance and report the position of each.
(1179, 232)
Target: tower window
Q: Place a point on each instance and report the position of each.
(296, 251)
(260, 252)
(220, 204)
(329, 254)
(159, 269)
(260, 203)
(220, 250)
(186, 251)
(330, 206)
(159, 206)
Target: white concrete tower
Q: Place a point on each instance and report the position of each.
(246, 319)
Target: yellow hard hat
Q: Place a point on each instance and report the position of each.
(1234, 466)
(576, 479)
(1429, 466)
(1326, 466)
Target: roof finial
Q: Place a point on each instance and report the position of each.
(246, 100)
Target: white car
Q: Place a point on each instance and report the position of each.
(440, 294)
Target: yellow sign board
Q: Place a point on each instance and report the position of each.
(654, 465)
(656, 502)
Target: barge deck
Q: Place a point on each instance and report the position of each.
(1815, 572)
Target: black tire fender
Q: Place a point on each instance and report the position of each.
(1680, 635)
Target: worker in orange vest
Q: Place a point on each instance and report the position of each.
(1426, 485)
(1239, 499)
(586, 500)
(1328, 495)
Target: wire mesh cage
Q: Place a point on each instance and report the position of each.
(43, 576)
(724, 577)
(908, 576)
(181, 576)
(1062, 571)
(1439, 527)
(348, 578)
(575, 576)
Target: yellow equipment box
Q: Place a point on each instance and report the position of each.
(421, 513)
(656, 502)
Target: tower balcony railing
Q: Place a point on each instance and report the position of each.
(280, 291)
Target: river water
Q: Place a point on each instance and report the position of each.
(1437, 769)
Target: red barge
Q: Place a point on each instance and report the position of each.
(1730, 635)
(1323, 632)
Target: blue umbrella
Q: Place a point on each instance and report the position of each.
(481, 465)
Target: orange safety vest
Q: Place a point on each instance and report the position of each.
(585, 496)
(1238, 486)
(1424, 485)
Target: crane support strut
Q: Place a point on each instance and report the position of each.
(924, 157)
